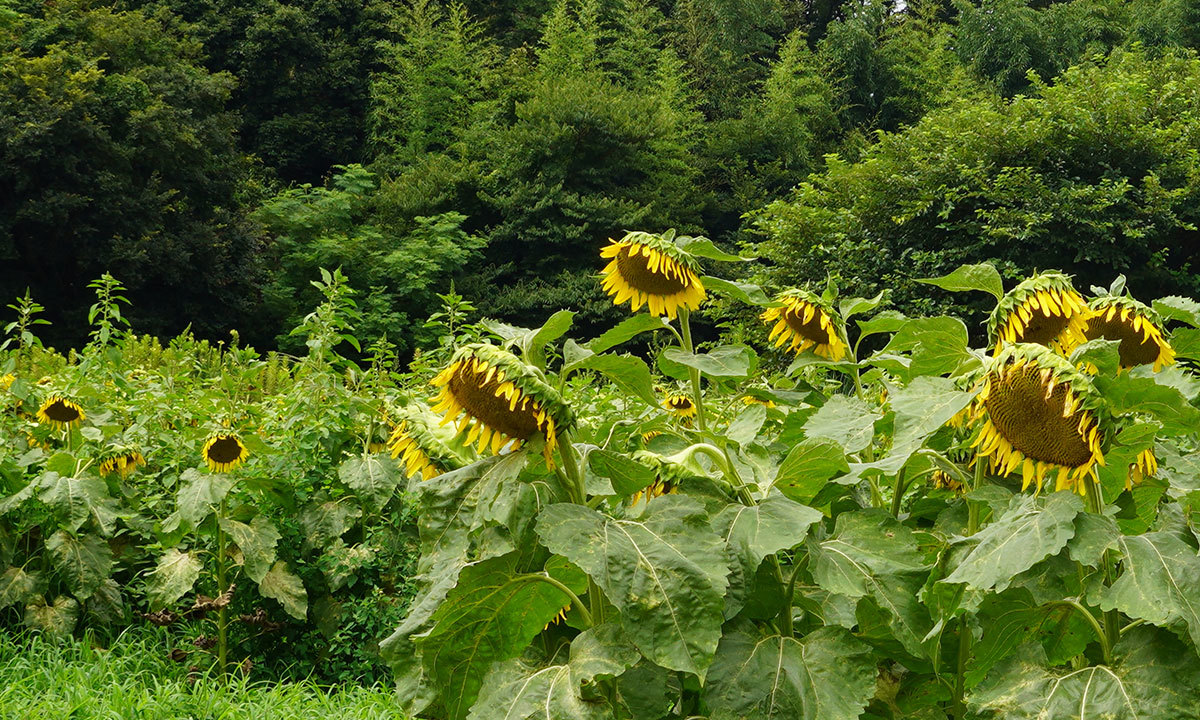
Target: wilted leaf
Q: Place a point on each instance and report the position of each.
(172, 578)
(1159, 582)
(626, 372)
(78, 498)
(256, 541)
(373, 478)
(625, 330)
(280, 584)
(18, 586)
(665, 572)
(627, 475)
(84, 561)
(57, 620)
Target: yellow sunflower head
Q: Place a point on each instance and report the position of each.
(1138, 327)
(1045, 310)
(121, 460)
(756, 400)
(60, 411)
(806, 321)
(942, 480)
(422, 445)
(223, 451)
(6, 381)
(1038, 414)
(650, 270)
(502, 402)
(668, 475)
(680, 405)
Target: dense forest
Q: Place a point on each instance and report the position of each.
(213, 155)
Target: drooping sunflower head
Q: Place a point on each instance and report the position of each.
(1038, 414)
(650, 270)
(502, 402)
(1137, 326)
(122, 460)
(224, 451)
(680, 405)
(806, 321)
(60, 411)
(1044, 309)
(668, 475)
(1146, 465)
(422, 444)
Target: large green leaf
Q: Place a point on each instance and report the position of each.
(1011, 618)
(1183, 309)
(18, 585)
(756, 531)
(626, 372)
(56, 620)
(602, 650)
(326, 521)
(626, 330)
(808, 467)
(257, 543)
(199, 494)
(744, 428)
(1159, 582)
(1128, 394)
(172, 578)
(283, 585)
(627, 475)
(450, 503)
(827, 675)
(938, 345)
(85, 561)
(1030, 530)
(845, 420)
(75, 499)
(517, 690)
(748, 293)
(1154, 678)
(724, 361)
(983, 277)
(374, 478)
(491, 614)
(665, 572)
(533, 344)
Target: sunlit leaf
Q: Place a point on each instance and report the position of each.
(172, 578)
(982, 277)
(281, 584)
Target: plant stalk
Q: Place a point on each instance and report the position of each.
(964, 627)
(577, 489)
(685, 326)
(1112, 619)
(222, 586)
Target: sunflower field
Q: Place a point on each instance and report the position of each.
(868, 516)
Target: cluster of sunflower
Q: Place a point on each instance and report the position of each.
(1039, 413)
(222, 450)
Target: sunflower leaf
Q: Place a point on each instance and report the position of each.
(18, 585)
(78, 498)
(626, 372)
(627, 475)
(937, 345)
(602, 650)
(1183, 309)
(1030, 530)
(827, 675)
(1186, 343)
(281, 584)
(724, 361)
(518, 690)
(374, 478)
(844, 420)
(626, 330)
(172, 578)
(705, 248)
(199, 493)
(490, 615)
(85, 561)
(850, 307)
(665, 573)
(745, 292)
(257, 543)
(808, 467)
(982, 277)
(1160, 583)
(1127, 394)
(56, 620)
(754, 532)
(533, 343)
(1154, 677)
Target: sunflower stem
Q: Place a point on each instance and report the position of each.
(901, 486)
(685, 326)
(1101, 633)
(1112, 619)
(576, 488)
(546, 578)
(964, 627)
(222, 586)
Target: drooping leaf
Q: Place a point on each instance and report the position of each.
(374, 478)
(937, 345)
(744, 428)
(18, 585)
(326, 521)
(172, 578)
(705, 248)
(281, 584)
(1030, 530)
(748, 293)
(1154, 677)
(85, 561)
(626, 372)
(1129, 394)
(517, 690)
(75, 499)
(199, 494)
(844, 420)
(666, 573)
(983, 277)
(256, 541)
(626, 330)
(535, 341)
(491, 615)
(1183, 309)
(849, 307)
(754, 532)
(1093, 535)
(56, 620)
(627, 475)
(450, 502)
(827, 675)
(1159, 582)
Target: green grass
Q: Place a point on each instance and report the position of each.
(133, 678)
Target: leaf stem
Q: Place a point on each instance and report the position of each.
(1112, 620)
(1105, 641)
(546, 578)
(685, 326)
(222, 586)
(577, 489)
(901, 486)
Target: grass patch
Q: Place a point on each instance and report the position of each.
(133, 678)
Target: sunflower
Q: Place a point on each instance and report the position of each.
(416, 439)
(1138, 327)
(1037, 413)
(7, 380)
(668, 476)
(1044, 309)
(60, 411)
(806, 321)
(650, 270)
(942, 480)
(681, 406)
(223, 451)
(756, 400)
(121, 460)
(501, 400)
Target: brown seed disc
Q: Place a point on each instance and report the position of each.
(1042, 328)
(479, 399)
(60, 411)
(810, 330)
(1018, 408)
(224, 450)
(635, 270)
(1135, 349)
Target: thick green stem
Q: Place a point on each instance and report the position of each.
(1112, 619)
(901, 486)
(543, 577)
(685, 327)
(578, 492)
(964, 627)
(222, 586)
(1101, 634)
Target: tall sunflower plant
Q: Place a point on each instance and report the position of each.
(879, 521)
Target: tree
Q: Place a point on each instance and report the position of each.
(117, 153)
